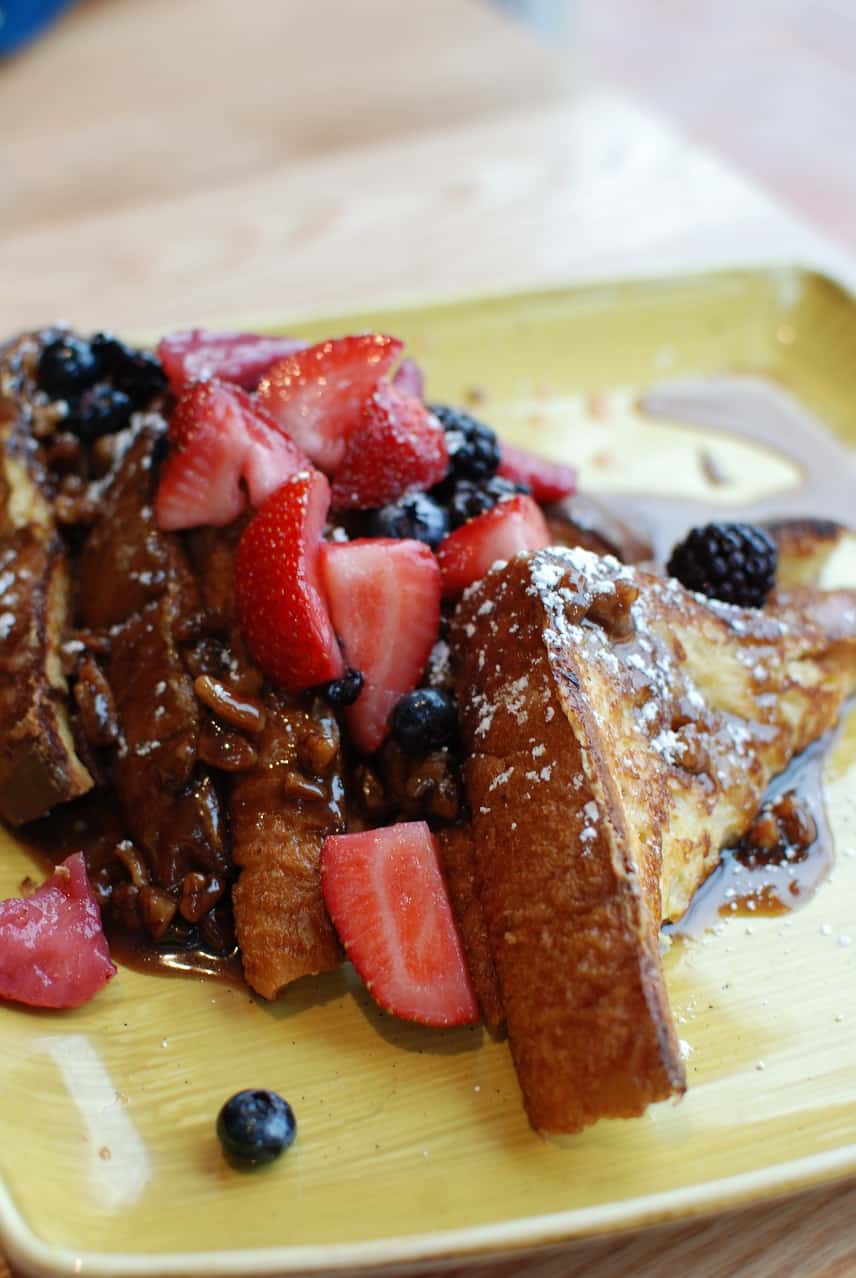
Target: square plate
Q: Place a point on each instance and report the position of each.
(413, 1143)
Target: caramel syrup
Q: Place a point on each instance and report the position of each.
(752, 886)
(174, 957)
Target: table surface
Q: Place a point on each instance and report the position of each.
(285, 159)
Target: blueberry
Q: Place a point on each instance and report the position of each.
(256, 1126)
(424, 720)
(67, 366)
(101, 410)
(138, 373)
(415, 515)
(473, 447)
(470, 499)
(344, 691)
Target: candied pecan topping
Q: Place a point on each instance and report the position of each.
(228, 751)
(241, 712)
(96, 706)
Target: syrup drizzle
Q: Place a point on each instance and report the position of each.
(753, 409)
(748, 886)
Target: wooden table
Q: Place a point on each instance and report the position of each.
(274, 158)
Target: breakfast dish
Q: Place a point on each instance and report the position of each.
(412, 1141)
(247, 583)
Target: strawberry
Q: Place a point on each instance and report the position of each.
(278, 597)
(317, 393)
(52, 947)
(198, 354)
(219, 437)
(508, 528)
(408, 378)
(547, 480)
(385, 604)
(384, 892)
(396, 445)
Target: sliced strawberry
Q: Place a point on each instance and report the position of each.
(280, 606)
(408, 378)
(384, 599)
(220, 441)
(52, 947)
(384, 892)
(196, 355)
(395, 446)
(505, 530)
(548, 481)
(316, 394)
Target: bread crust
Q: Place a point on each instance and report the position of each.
(619, 732)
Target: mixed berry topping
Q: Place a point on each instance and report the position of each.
(509, 528)
(385, 893)
(67, 366)
(395, 445)
(470, 498)
(53, 952)
(416, 516)
(241, 358)
(732, 562)
(256, 1126)
(138, 374)
(344, 691)
(425, 720)
(473, 447)
(101, 410)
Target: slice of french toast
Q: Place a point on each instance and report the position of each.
(39, 764)
(620, 732)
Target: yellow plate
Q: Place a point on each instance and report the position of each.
(412, 1143)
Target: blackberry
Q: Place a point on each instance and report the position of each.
(473, 447)
(138, 373)
(732, 562)
(67, 365)
(344, 691)
(424, 720)
(414, 515)
(256, 1126)
(101, 410)
(469, 499)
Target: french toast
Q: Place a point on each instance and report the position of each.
(232, 649)
(39, 763)
(619, 732)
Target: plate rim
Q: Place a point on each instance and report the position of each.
(25, 1249)
(30, 1253)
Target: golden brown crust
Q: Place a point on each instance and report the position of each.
(457, 853)
(620, 731)
(281, 924)
(39, 765)
(803, 547)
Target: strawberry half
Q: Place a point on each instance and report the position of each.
(53, 952)
(278, 597)
(385, 893)
(548, 481)
(396, 445)
(511, 526)
(220, 441)
(384, 598)
(408, 378)
(198, 354)
(316, 395)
